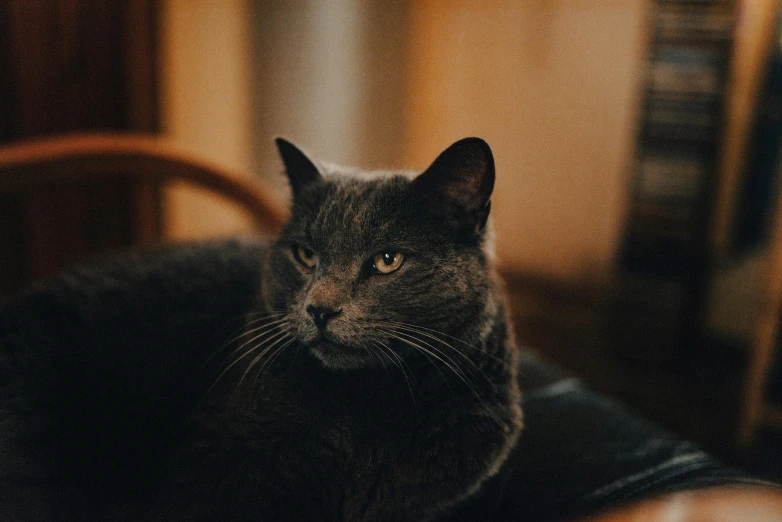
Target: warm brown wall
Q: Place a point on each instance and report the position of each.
(69, 66)
(332, 77)
(552, 86)
(206, 105)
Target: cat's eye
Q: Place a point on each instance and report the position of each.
(387, 262)
(305, 256)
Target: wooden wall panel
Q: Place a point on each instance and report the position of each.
(65, 66)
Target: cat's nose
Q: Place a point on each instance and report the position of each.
(321, 315)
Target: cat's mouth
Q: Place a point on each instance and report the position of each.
(326, 344)
(337, 356)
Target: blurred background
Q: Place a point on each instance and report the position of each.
(636, 147)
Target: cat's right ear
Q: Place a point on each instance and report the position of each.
(460, 183)
(300, 169)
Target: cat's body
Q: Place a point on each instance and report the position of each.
(375, 379)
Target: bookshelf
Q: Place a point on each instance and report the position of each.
(665, 254)
(703, 106)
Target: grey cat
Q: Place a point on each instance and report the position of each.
(375, 379)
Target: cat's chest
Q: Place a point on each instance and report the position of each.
(353, 415)
(342, 449)
(332, 429)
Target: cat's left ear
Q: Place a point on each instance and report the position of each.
(299, 167)
(462, 179)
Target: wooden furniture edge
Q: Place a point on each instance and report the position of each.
(134, 151)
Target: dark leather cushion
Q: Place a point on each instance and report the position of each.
(581, 452)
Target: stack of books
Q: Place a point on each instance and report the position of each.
(674, 174)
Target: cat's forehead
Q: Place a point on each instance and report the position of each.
(357, 210)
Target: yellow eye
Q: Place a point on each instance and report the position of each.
(387, 262)
(305, 256)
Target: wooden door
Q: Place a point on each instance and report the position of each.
(65, 66)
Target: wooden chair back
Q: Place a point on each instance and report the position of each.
(66, 199)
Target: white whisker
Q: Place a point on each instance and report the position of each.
(447, 345)
(420, 348)
(279, 336)
(398, 363)
(244, 332)
(448, 361)
(375, 353)
(270, 359)
(248, 352)
(437, 332)
(461, 375)
(259, 333)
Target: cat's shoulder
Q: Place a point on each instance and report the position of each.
(174, 271)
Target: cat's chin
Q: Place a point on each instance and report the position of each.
(338, 357)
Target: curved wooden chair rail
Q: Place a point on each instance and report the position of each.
(81, 158)
(66, 199)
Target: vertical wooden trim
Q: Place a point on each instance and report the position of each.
(8, 98)
(146, 212)
(140, 45)
(754, 40)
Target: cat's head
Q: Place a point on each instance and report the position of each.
(373, 261)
